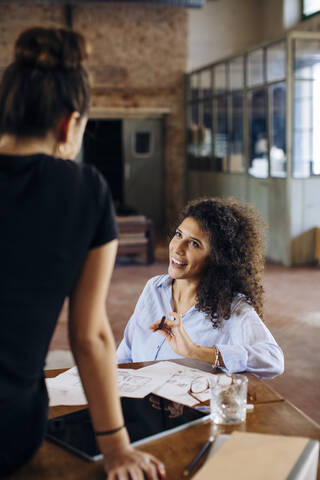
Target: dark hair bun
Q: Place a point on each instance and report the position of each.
(51, 48)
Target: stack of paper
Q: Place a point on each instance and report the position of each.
(166, 379)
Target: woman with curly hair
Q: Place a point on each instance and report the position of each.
(213, 291)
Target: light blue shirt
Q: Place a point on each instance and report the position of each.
(244, 341)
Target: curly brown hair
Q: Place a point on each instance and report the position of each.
(236, 260)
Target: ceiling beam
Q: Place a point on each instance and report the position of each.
(174, 3)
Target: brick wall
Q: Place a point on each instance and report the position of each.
(139, 56)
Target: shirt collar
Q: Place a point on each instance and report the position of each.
(164, 281)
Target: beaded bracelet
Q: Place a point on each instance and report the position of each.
(110, 432)
(216, 360)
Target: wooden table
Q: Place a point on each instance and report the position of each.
(272, 414)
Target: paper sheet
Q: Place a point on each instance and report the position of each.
(66, 388)
(166, 379)
(138, 383)
(176, 388)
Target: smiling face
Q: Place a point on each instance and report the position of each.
(189, 251)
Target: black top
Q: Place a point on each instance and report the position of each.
(52, 212)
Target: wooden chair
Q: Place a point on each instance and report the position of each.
(136, 236)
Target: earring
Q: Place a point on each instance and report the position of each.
(61, 149)
(64, 150)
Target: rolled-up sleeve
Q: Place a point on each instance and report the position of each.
(252, 347)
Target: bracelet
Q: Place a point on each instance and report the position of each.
(216, 363)
(110, 432)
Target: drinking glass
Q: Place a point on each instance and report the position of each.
(228, 399)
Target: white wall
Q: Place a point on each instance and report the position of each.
(221, 28)
(272, 17)
(225, 27)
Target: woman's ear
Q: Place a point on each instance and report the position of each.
(67, 127)
(69, 134)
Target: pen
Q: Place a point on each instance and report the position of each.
(199, 455)
(161, 323)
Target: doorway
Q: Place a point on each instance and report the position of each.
(129, 154)
(102, 147)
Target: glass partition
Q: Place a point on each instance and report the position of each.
(236, 161)
(206, 83)
(220, 78)
(221, 133)
(276, 62)
(236, 158)
(206, 130)
(278, 158)
(236, 71)
(192, 145)
(194, 87)
(306, 108)
(255, 68)
(254, 91)
(258, 144)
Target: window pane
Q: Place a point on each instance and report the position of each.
(306, 55)
(255, 74)
(193, 130)
(205, 146)
(194, 87)
(221, 134)
(190, 146)
(142, 143)
(278, 156)
(302, 128)
(310, 7)
(206, 83)
(276, 62)
(316, 120)
(220, 78)
(236, 67)
(236, 154)
(195, 113)
(306, 141)
(258, 133)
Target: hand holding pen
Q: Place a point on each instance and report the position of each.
(175, 334)
(161, 324)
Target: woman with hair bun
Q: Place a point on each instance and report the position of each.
(213, 293)
(58, 239)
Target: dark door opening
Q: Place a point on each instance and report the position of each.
(129, 154)
(102, 147)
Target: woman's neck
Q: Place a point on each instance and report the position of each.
(184, 295)
(12, 145)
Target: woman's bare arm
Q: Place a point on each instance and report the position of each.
(93, 347)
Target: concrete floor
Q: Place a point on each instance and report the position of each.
(292, 313)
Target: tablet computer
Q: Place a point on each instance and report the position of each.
(146, 418)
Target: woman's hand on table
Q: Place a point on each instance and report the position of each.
(175, 334)
(131, 464)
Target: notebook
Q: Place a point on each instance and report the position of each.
(256, 456)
